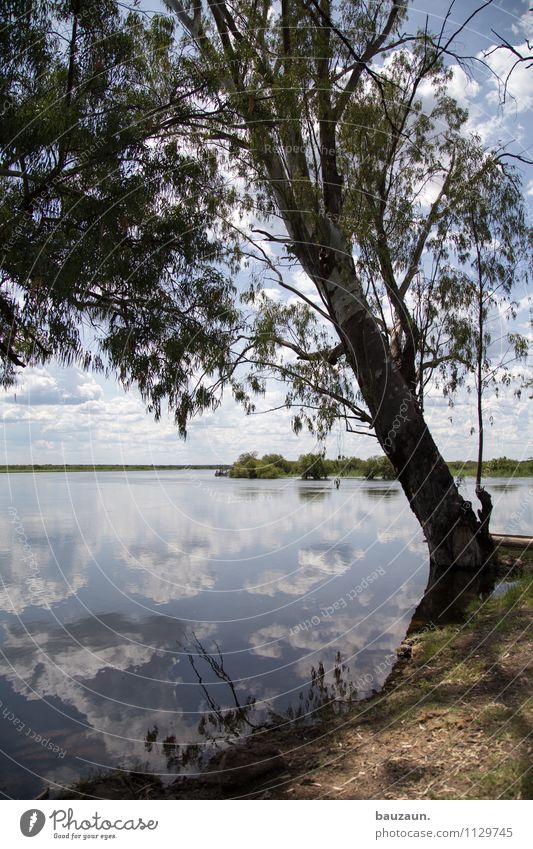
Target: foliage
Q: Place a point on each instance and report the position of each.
(276, 461)
(484, 246)
(120, 130)
(104, 217)
(379, 467)
(312, 466)
(248, 465)
(354, 156)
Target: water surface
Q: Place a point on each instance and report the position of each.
(143, 613)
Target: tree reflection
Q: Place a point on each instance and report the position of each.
(313, 493)
(326, 694)
(449, 592)
(328, 691)
(177, 756)
(217, 726)
(380, 492)
(228, 720)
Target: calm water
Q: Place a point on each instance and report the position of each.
(144, 613)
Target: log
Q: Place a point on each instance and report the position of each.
(512, 540)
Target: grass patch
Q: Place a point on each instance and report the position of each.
(434, 642)
(520, 593)
(502, 780)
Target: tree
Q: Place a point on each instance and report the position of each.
(379, 467)
(245, 466)
(276, 462)
(317, 111)
(488, 239)
(331, 130)
(312, 466)
(105, 255)
(494, 242)
(248, 465)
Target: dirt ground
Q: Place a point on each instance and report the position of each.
(453, 722)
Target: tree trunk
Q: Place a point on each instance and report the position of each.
(447, 596)
(453, 533)
(479, 379)
(448, 521)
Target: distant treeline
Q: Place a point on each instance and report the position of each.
(499, 467)
(103, 467)
(314, 466)
(310, 466)
(318, 467)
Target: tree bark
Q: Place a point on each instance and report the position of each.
(447, 596)
(448, 521)
(453, 533)
(479, 374)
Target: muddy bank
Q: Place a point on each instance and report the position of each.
(453, 721)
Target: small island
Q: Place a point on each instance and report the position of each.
(318, 467)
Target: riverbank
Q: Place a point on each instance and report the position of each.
(520, 469)
(453, 721)
(105, 468)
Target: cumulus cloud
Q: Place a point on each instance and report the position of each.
(163, 578)
(462, 87)
(316, 564)
(100, 669)
(512, 78)
(524, 25)
(37, 387)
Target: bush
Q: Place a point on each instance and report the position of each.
(245, 466)
(312, 466)
(277, 462)
(379, 467)
(249, 466)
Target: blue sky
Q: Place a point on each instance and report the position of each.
(60, 415)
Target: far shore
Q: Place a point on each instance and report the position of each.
(104, 467)
(522, 469)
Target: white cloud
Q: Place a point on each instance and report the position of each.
(512, 73)
(115, 428)
(462, 87)
(524, 26)
(38, 387)
(316, 564)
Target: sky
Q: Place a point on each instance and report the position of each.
(62, 415)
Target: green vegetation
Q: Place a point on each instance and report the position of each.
(248, 465)
(135, 143)
(318, 467)
(272, 466)
(111, 467)
(379, 467)
(312, 466)
(499, 467)
(308, 466)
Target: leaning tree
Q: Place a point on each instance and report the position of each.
(314, 144)
(349, 151)
(106, 258)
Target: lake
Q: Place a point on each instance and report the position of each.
(145, 615)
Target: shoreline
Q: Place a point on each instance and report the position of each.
(455, 468)
(451, 722)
